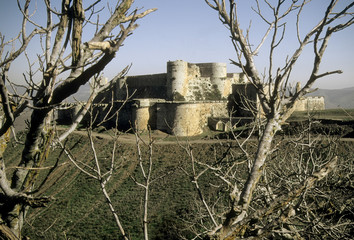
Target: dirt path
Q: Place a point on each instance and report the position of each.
(162, 138)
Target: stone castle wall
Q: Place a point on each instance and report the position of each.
(68, 112)
(181, 100)
(243, 100)
(310, 104)
(183, 82)
(143, 86)
(179, 118)
(199, 81)
(151, 80)
(187, 118)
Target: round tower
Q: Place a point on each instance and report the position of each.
(140, 114)
(177, 72)
(187, 120)
(218, 76)
(218, 70)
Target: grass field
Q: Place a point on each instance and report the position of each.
(80, 212)
(332, 114)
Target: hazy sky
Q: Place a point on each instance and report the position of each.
(190, 30)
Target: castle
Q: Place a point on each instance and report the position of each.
(183, 101)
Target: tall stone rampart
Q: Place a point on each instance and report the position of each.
(187, 118)
(217, 73)
(152, 80)
(142, 86)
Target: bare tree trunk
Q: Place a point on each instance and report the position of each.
(263, 150)
(22, 181)
(239, 209)
(146, 173)
(45, 96)
(145, 220)
(272, 87)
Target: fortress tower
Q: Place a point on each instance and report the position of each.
(140, 114)
(182, 75)
(177, 79)
(217, 73)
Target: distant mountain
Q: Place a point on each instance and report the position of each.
(337, 98)
(82, 95)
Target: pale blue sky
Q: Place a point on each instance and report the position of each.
(189, 30)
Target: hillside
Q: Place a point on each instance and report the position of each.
(80, 212)
(337, 98)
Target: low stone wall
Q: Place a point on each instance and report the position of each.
(140, 114)
(226, 124)
(310, 104)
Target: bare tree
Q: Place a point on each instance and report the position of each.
(146, 166)
(65, 64)
(277, 103)
(95, 170)
(289, 202)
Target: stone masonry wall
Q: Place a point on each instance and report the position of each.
(310, 104)
(199, 81)
(143, 86)
(181, 100)
(187, 119)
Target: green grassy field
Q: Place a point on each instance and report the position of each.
(80, 212)
(332, 114)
